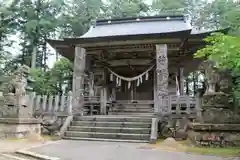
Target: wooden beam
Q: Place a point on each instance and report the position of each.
(129, 48)
(127, 42)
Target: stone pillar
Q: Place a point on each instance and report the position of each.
(78, 80)
(155, 99)
(161, 77)
(103, 99)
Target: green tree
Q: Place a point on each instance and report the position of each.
(167, 5)
(7, 26)
(38, 21)
(77, 16)
(125, 8)
(225, 51)
(220, 14)
(54, 80)
(61, 74)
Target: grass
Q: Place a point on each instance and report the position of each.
(51, 138)
(186, 146)
(223, 152)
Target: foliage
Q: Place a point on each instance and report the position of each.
(37, 21)
(123, 8)
(225, 51)
(78, 15)
(54, 80)
(7, 23)
(220, 14)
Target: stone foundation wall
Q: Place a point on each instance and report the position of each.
(215, 134)
(19, 128)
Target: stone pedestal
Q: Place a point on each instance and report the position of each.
(220, 126)
(13, 108)
(19, 127)
(217, 109)
(16, 120)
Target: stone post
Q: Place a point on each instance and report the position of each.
(78, 80)
(103, 100)
(69, 104)
(199, 106)
(155, 93)
(161, 77)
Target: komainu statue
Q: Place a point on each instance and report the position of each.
(211, 75)
(14, 92)
(17, 86)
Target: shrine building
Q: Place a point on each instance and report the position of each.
(132, 65)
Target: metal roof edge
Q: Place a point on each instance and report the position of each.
(223, 30)
(129, 37)
(140, 19)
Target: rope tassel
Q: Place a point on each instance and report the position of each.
(146, 76)
(111, 77)
(117, 80)
(129, 85)
(139, 78)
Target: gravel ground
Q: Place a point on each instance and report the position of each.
(13, 145)
(86, 150)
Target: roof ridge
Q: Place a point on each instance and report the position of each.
(140, 19)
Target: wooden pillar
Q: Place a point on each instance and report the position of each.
(181, 80)
(104, 93)
(78, 80)
(161, 78)
(114, 94)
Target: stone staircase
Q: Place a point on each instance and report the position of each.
(110, 128)
(131, 109)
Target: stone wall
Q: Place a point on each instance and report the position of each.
(214, 134)
(18, 128)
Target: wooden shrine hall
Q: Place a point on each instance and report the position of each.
(133, 65)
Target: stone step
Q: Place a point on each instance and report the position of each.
(107, 135)
(105, 140)
(142, 114)
(140, 107)
(133, 105)
(112, 124)
(110, 129)
(113, 119)
(18, 156)
(6, 156)
(132, 110)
